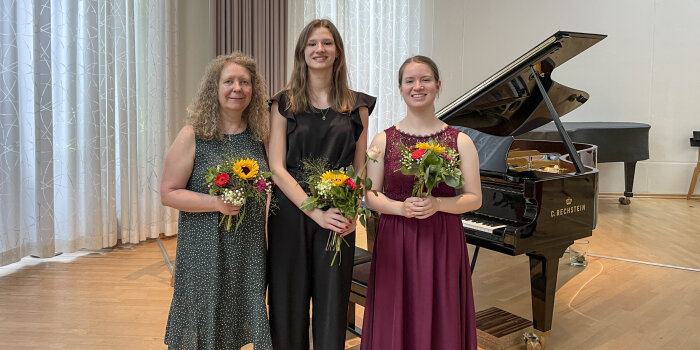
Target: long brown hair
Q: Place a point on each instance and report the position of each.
(203, 112)
(342, 99)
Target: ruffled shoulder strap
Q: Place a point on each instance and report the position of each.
(361, 100)
(364, 100)
(282, 104)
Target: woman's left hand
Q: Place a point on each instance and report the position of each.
(351, 228)
(425, 207)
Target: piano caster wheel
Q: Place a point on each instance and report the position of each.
(624, 200)
(533, 341)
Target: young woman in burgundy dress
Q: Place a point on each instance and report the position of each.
(420, 294)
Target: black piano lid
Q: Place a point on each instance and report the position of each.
(509, 103)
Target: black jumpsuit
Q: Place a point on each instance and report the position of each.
(298, 265)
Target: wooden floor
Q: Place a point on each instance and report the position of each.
(119, 298)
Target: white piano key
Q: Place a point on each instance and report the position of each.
(480, 226)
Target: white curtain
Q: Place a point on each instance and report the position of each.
(86, 115)
(378, 36)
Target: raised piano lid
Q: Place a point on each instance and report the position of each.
(509, 103)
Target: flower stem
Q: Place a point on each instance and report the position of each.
(364, 168)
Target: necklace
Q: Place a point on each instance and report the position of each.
(236, 130)
(324, 112)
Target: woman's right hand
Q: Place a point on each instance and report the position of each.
(331, 219)
(226, 208)
(408, 209)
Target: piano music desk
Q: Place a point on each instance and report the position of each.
(616, 141)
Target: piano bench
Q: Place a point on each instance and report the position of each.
(358, 287)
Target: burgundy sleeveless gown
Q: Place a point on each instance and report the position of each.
(420, 293)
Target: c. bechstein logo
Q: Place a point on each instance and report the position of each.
(569, 209)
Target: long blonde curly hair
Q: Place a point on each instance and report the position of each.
(203, 112)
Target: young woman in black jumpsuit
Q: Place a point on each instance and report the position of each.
(317, 116)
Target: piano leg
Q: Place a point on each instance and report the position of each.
(629, 182)
(543, 283)
(476, 254)
(693, 182)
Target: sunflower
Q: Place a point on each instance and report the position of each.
(245, 168)
(431, 146)
(336, 178)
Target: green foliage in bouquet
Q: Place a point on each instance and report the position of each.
(236, 180)
(431, 164)
(340, 188)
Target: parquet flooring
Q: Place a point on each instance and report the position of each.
(119, 298)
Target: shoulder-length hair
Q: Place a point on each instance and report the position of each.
(204, 111)
(341, 98)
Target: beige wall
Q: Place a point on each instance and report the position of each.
(647, 70)
(195, 48)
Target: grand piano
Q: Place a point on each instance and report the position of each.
(538, 196)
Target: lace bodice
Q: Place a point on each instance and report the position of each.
(398, 186)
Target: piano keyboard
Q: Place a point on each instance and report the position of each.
(481, 225)
(484, 228)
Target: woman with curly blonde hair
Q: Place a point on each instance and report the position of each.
(219, 295)
(204, 110)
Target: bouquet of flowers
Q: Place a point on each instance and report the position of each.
(340, 188)
(236, 180)
(431, 164)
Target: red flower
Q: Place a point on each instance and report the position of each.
(418, 154)
(350, 184)
(444, 155)
(262, 185)
(221, 179)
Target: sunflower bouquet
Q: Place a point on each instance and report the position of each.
(340, 188)
(237, 180)
(431, 163)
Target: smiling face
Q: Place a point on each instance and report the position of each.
(418, 86)
(320, 51)
(235, 88)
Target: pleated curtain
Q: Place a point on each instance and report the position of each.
(88, 91)
(257, 28)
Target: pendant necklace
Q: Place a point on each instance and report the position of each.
(324, 112)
